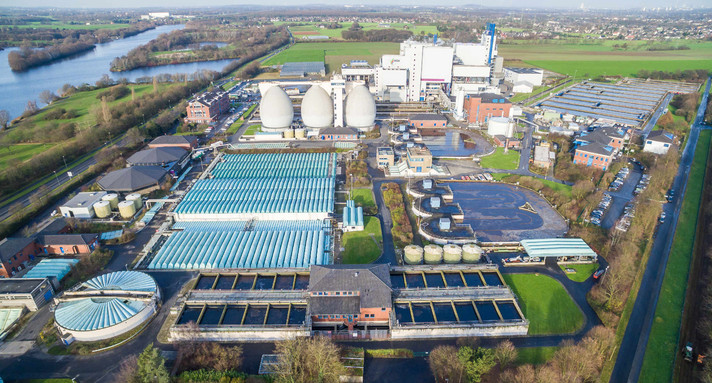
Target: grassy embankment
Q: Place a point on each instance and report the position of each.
(523, 96)
(312, 29)
(363, 197)
(583, 271)
(333, 54)
(663, 341)
(586, 59)
(545, 303)
(360, 246)
(501, 160)
(561, 188)
(237, 124)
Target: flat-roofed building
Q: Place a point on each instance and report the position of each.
(208, 107)
(542, 158)
(31, 293)
(385, 157)
(533, 76)
(419, 159)
(185, 142)
(481, 107)
(81, 206)
(427, 120)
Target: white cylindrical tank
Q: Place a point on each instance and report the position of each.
(360, 111)
(500, 126)
(127, 209)
(113, 200)
(136, 199)
(300, 133)
(102, 209)
(452, 253)
(433, 254)
(413, 254)
(471, 253)
(276, 109)
(289, 133)
(317, 108)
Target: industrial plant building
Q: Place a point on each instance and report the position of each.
(26, 293)
(359, 301)
(481, 107)
(207, 107)
(106, 306)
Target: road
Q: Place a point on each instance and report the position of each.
(635, 340)
(658, 112)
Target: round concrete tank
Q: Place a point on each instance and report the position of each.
(317, 108)
(289, 133)
(276, 109)
(136, 199)
(360, 110)
(300, 133)
(413, 254)
(433, 254)
(471, 253)
(452, 253)
(102, 209)
(113, 200)
(127, 209)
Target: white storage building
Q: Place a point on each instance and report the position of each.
(81, 206)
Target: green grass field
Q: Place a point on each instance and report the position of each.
(333, 54)
(359, 246)
(583, 271)
(546, 304)
(535, 355)
(663, 343)
(586, 58)
(251, 130)
(312, 29)
(561, 188)
(363, 197)
(501, 160)
(523, 96)
(20, 152)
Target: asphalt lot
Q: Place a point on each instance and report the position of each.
(621, 197)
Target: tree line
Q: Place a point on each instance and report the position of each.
(64, 46)
(691, 75)
(245, 43)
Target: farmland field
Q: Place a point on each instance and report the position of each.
(586, 58)
(312, 29)
(334, 54)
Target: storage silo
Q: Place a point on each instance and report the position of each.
(102, 209)
(413, 254)
(300, 133)
(289, 133)
(113, 200)
(452, 254)
(127, 209)
(433, 254)
(471, 253)
(136, 199)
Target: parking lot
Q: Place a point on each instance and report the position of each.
(498, 212)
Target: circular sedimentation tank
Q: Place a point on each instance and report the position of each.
(433, 254)
(136, 199)
(102, 209)
(113, 200)
(452, 254)
(127, 209)
(471, 253)
(413, 254)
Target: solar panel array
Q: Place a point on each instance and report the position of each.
(628, 103)
(263, 244)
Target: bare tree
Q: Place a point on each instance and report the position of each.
(4, 118)
(306, 360)
(47, 96)
(446, 366)
(505, 353)
(127, 370)
(31, 108)
(105, 112)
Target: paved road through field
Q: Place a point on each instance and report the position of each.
(635, 340)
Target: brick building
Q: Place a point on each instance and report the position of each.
(350, 295)
(208, 107)
(15, 254)
(595, 155)
(338, 134)
(62, 244)
(482, 107)
(427, 120)
(598, 148)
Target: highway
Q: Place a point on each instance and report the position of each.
(632, 350)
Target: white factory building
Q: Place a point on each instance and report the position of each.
(422, 70)
(523, 80)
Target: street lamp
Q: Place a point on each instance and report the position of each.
(55, 177)
(65, 162)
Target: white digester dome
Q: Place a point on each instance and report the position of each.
(360, 108)
(276, 110)
(317, 108)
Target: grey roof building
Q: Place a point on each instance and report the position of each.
(133, 178)
(302, 69)
(12, 246)
(427, 117)
(372, 282)
(162, 156)
(179, 141)
(67, 239)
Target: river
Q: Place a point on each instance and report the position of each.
(20, 87)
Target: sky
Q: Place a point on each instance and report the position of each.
(598, 4)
